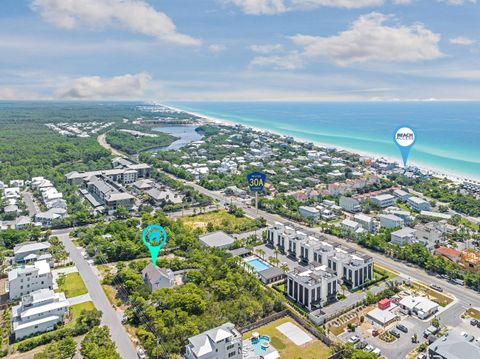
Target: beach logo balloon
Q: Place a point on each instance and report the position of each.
(154, 237)
(404, 137)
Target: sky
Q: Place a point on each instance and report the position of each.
(240, 50)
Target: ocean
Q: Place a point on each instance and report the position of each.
(447, 133)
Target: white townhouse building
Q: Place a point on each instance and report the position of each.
(391, 221)
(350, 204)
(351, 267)
(401, 195)
(38, 312)
(383, 200)
(403, 236)
(32, 251)
(312, 287)
(309, 212)
(418, 204)
(223, 342)
(29, 278)
(367, 222)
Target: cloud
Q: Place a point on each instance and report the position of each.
(273, 7)
(135, 15)
(260, 7)
(368, 39)
(266, 49)
(464, 41)
(92, 87)
(458, 2)
(217, 48)
(291, 61)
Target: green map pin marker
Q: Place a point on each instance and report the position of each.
(152, 238)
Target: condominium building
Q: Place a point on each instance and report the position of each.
(351, 267)
(401, 195)
(350, 204)
(367, 222)
(390, 221)
(223, 342)
(309, 212)
(29, 278)
(418, 204)
(109, 194)
(403, 236)
(383, 200)
(38, 312)
(312, 287)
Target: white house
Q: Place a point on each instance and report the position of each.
(29, 251)
(420, 306)
(350, 204)
(367, 222)
(401, 195)
(390, 221)
(383, 200)
(155, 277)
(38, 312)
(29, 278)
(47, 218)
(309, 212)
(221, 342)
(418, 204)
(351, 226)
(403, 236)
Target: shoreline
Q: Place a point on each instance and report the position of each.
(435, 171)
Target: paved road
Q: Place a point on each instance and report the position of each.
(125, 347)
(30, 203)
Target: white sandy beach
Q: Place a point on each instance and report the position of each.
(437, 172)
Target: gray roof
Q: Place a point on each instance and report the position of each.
(271, 272)
(200, 344)
(216, 239)
(404, 232)
(240, 251)
(30, 247)
(155, 273)
(455, 346)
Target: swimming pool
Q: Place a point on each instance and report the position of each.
(258, 265)
(261, 345)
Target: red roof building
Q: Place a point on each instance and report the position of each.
(449, 253)
(384, 303)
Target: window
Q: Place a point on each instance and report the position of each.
(232, 354)
(230, 346)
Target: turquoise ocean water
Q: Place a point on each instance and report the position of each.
(448, 133)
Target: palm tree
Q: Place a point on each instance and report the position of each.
(261, 252)
(284, 267)
(276, 252)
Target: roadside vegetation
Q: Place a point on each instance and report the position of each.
(131, 144)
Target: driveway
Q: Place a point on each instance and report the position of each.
(30, 203)
(125, 347)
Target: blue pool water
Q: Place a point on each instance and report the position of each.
(260, 345)
(258, 264)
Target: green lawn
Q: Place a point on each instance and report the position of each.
(473, 313)
(72, 285)
(439, 298)
(315, 349)
(391, 274)
(221, 221)
(77, 308)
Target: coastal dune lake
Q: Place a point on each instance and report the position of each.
(186, 135)
(447, 133)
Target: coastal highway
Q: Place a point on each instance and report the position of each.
(124, 345)
(466, 296)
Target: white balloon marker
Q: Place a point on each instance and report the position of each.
(404, 137)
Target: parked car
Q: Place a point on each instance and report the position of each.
(436, 287)
(353, 340)
(361, 345)
(402, 328)
(375, 332)
(368, 348)
(474, 322)
(395, 333)
(140, 353)
(422, 356)
(376, 351)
